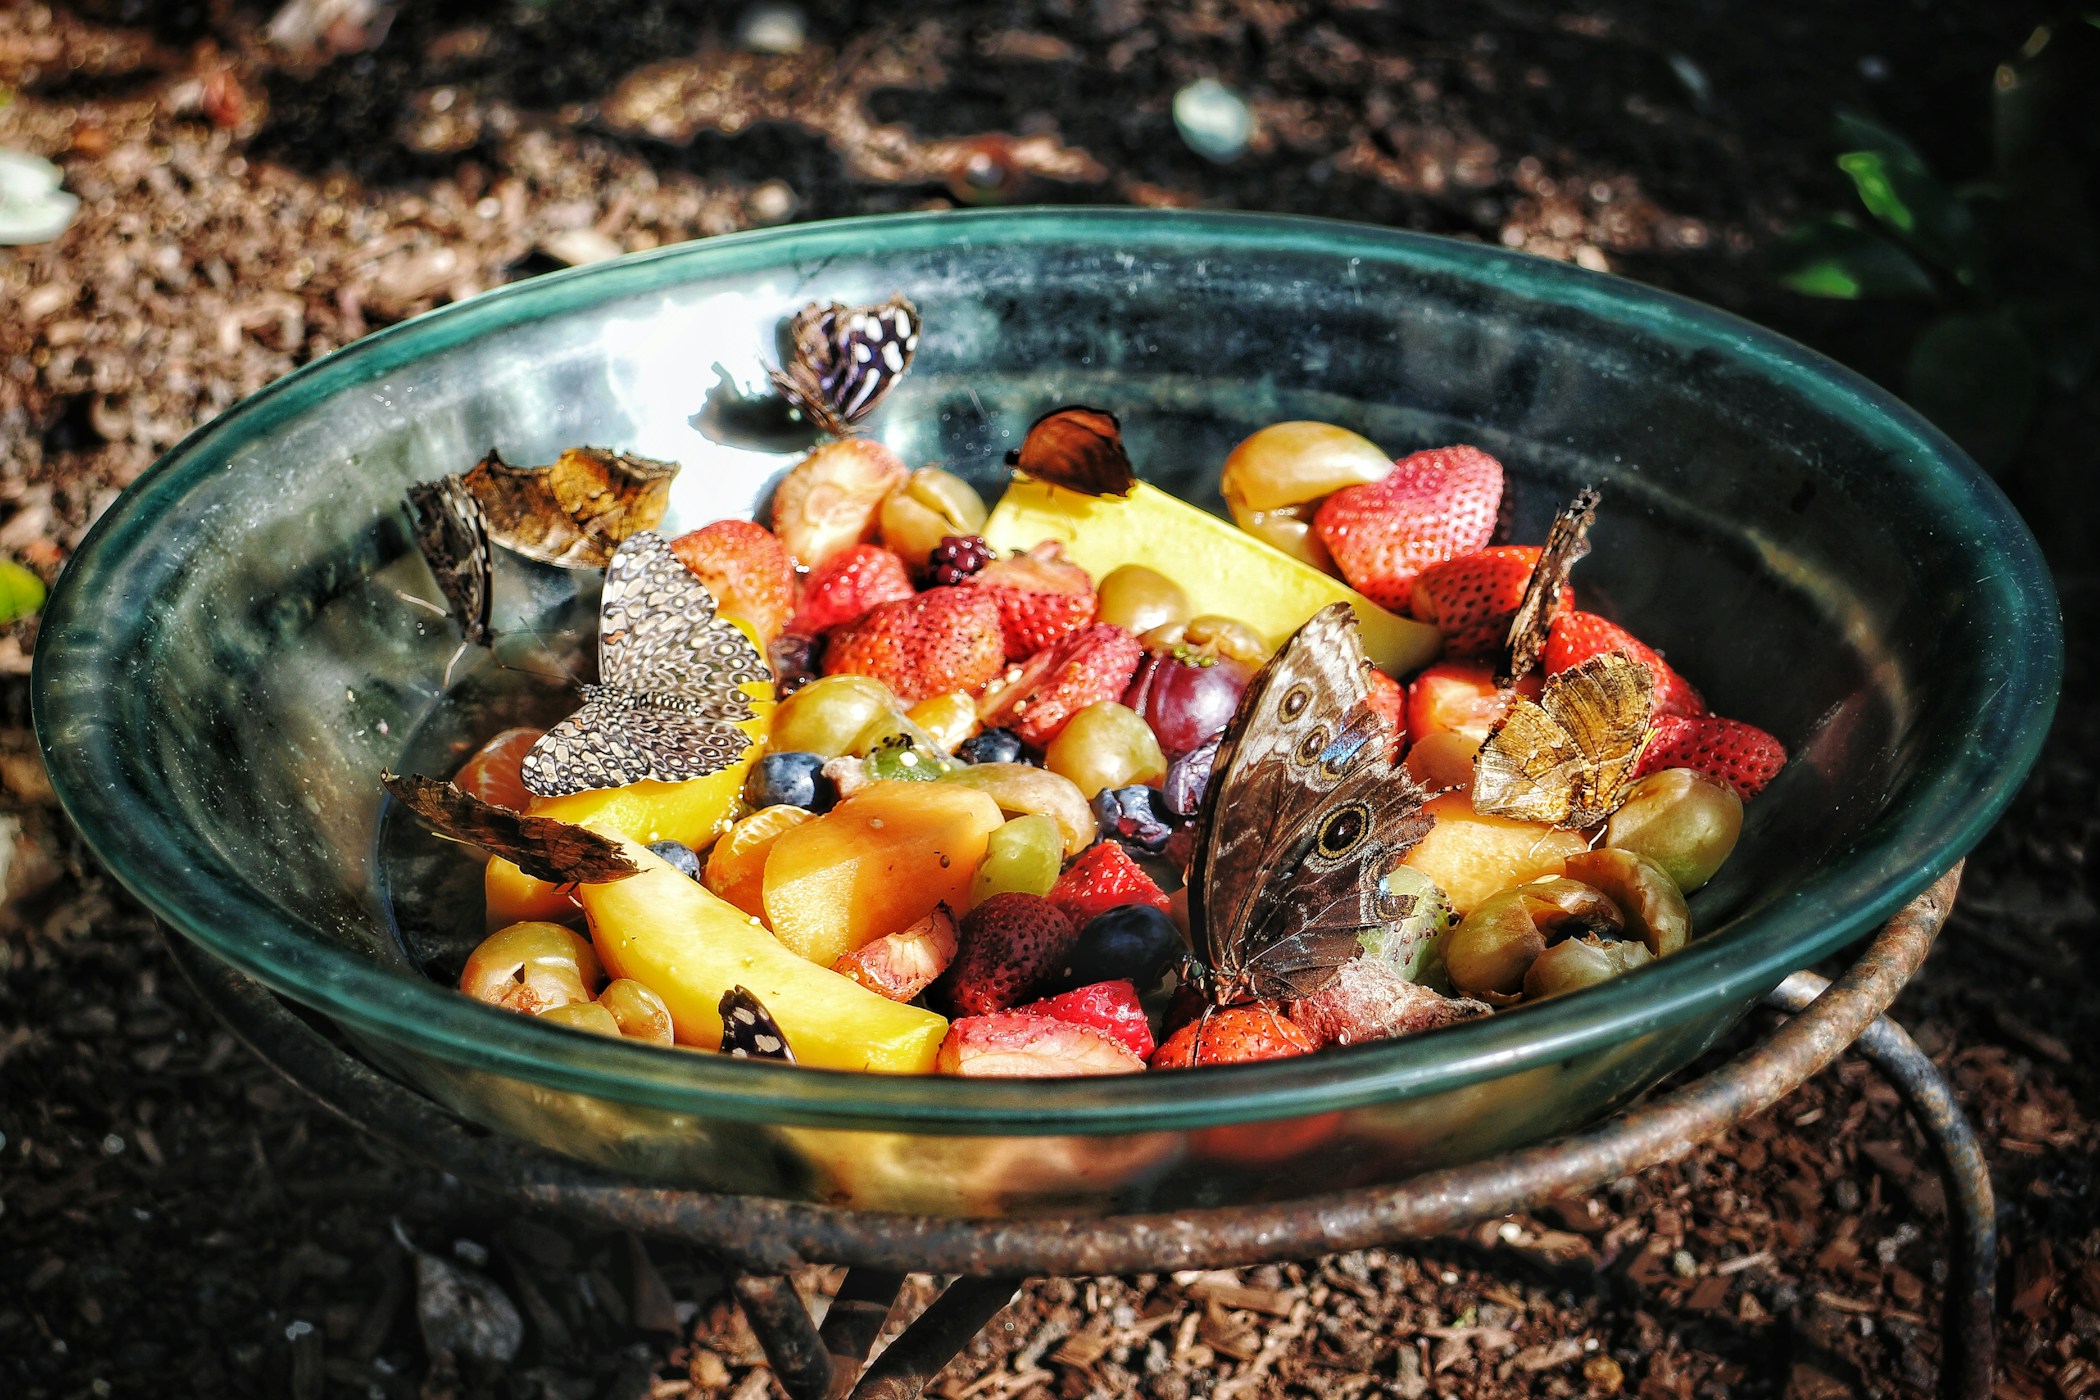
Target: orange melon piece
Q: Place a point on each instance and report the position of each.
(736, 867)
(1471, 856)
(879, 861)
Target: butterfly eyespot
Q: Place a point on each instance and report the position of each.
(1312, 746)
(1341, 831)
(1294, 702)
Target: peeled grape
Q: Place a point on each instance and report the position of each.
(1655, 912)
(1490, 951)
(1272, 480)
(1106, 745)
(639, 1012)
(1575, 963)
(930, 505)
(1186, 695)
(1683, 820)
(1021, 857)
(1019, 789)
(1141, 599)
(1229, 637)
(531, 967)
(827, 715)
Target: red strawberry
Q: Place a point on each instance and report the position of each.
(1578, 636)
(1030, 1047)
(929, 644)
(1041, 597)
(1009, 943)
(748, 570)
(1471, 599)
(1103, 878)
(844, 587)
(1739, 754)
(1088, 666)
(1111, 1008)
(1433, 506)
(1234, 1036)
(1389, 700)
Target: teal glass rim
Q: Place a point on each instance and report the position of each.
(1944, 810)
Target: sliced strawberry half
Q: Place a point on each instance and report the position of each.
(1433, 506)
(1092, 664)
(1041, 597)
(1739, 754)
(1111, 1008)
(1011, 1045)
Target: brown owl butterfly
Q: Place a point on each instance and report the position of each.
(1304, 815)
(1568, 759)
(1078, 448)
(540, 846)
(576, 512)
(1566, 543)
(749, 1031)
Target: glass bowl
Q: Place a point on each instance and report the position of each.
(244, 642)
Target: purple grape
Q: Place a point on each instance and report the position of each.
(1188, 776)
(1187, 695)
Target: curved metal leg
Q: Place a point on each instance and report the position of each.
(1969, 1323)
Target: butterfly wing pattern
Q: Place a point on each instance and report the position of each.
(1304, 815)
(669, 670)
(453, 536)
(847, 359)
(749, 1031)
(1567, 543)
(1567, 759)
(542, 847)
(1078, 448)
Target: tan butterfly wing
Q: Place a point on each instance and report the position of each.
(576, 512)
(1567, 759)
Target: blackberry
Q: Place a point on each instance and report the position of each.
(956, 557)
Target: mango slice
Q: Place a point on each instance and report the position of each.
(668, 933)
(1471, 856)
(876, 863)
(1223, 568)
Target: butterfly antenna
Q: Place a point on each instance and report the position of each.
(424, 603)
(457, 653)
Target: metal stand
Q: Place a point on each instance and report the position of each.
(767, 1238)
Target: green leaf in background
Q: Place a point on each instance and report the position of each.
(1897, 188)
(1974, 376)
(1830, 257)
(21, 592)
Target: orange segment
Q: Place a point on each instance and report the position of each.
(736, 867)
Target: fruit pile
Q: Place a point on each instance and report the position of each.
(959, 838)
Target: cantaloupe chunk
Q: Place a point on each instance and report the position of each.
(876, 863)
(1221, 567)
(513, 897)
(1471, 856)
(668, 933)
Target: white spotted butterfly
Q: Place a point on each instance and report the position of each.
(668, 697)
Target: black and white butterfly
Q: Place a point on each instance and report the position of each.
(667, 700)
(749, 1031)
(846, 358)
(453, 535)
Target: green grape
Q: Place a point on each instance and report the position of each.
(1022, 857)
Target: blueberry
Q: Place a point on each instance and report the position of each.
(679, 855)
(1136, 816)
(790, 779)
(992, 746)
(1135, 941)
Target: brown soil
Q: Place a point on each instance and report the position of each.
(174, 1220)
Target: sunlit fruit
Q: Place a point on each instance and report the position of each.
(1106, 745)
(1654, 909)
(1683, 820)
(1141, 599)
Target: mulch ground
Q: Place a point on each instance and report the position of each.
(173, 1219)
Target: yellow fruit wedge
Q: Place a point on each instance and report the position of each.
(876, 864)
(668, 933)
(1222, 568)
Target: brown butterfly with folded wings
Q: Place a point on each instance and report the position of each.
(1078, 448)
(453, 536)
(1568, 759)
(542, 847)
(1567, 543)
(1305, 814)
(576, 511)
